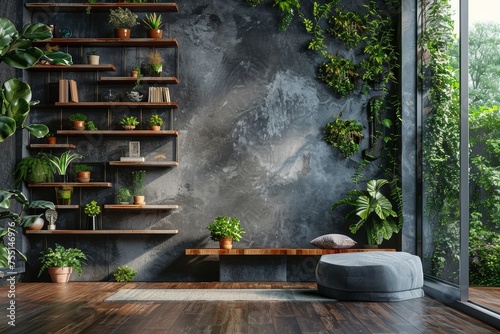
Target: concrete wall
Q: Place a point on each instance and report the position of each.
(250, 120)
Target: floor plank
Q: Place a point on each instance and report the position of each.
(79, 307)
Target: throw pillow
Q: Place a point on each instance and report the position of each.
(333, 241)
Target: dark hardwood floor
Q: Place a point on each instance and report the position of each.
(79, 307)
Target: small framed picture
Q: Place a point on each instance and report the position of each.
(134, 149)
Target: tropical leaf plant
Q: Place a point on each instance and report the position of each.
(372, 210)
(16, 50)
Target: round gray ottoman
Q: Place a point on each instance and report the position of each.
(370, 276)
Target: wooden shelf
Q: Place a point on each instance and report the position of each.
(74, 68)
(130, 80)
(88, 105)
(278, 251)
(110, 42)
(141, 207)
(102, 232)
(102, 7)
(131, 133)
(52, 146)
(145, 163)
(71, 184)
(62, 207)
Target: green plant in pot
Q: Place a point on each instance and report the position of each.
(129, 122)
(340, 74)
(16, 219)
(155, 63)
(122, 20)
(346, 135)
(124, 274)
(35, 169)
(82, 172)
(61, 163)
(92, 209)
(155, 122)
(61, 262)
(138, 180)
(372, 210)
(123, 196)
(78, 121)
(225, 230)
(153, 24)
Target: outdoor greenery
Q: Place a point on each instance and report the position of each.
(15, 219)
(62, 257)
(225, 227)
(124, 274)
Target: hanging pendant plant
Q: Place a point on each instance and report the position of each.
(340, 74)
(346, 135)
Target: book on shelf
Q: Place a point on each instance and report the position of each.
(68, 91)
(73, 91)
(159, 94)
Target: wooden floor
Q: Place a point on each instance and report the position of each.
(488, 297)
(78, 307)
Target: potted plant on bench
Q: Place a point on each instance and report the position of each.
(225, 230)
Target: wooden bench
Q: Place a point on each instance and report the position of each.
(270, 264)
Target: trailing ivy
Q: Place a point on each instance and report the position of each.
(345, 135)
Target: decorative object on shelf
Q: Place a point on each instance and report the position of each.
(51, 138)
(134, 149)
(155, 64)
(61, 164)
(110, 96)
(65, 33)
(136, 73)
(123, 196)
(225, 230)
(93, 57)
(61, 262)
(153, 22)
(129, 122)
(135, 96)
(122, 20)
(18, 219)
(83, 173)
(78, 121)
(92, 209)
(13, 118)
(35, 169)
(124, 274)
(155, 122)
(138, 178)
(37, 224)
(51, 216)
(373, 211)
(63, 195)
(346, 135)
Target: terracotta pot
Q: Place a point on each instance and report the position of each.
(60, 275)
(83, 177)
(134, 74)
(226, 243)
(129, 127)
(51, 140)
(123, 33)
(37, 225)
(78, 125)
(139, 200)
(155, 127)
(155, 33)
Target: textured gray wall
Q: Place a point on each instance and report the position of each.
(250, 120)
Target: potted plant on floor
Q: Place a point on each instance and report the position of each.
(123, 196)
(60, 262)
(78, 121)
(124, 274)
(373, 211)
(129, 122)
(153, 24)
(82, 172)
(225, 230)
(138, 178)
(92, 209)
(122, 20)
(155, 122)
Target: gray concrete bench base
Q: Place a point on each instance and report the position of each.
(374, 276)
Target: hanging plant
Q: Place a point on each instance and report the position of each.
(340, 74)
(346, 135)
(348, 27)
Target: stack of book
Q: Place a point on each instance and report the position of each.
(68, 91)
(159, 94)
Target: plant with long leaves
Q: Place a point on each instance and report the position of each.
(15, 219)
(61, 164)
(373, 210)
(15, 96)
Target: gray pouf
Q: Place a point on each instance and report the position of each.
(370, 276)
